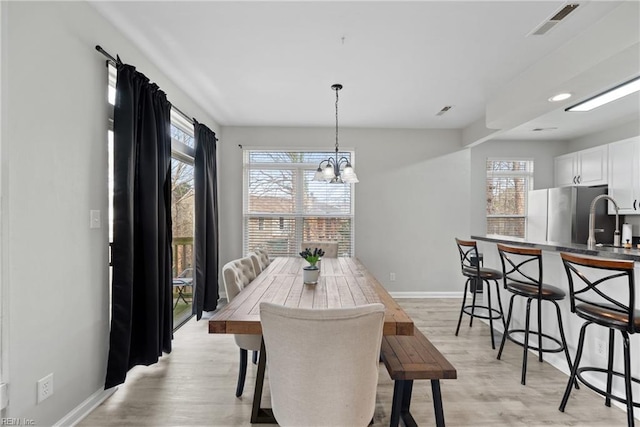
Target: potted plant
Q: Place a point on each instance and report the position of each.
(311, 272)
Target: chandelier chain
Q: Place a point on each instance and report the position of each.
(337, 120)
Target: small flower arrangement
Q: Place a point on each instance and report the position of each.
(312, 257)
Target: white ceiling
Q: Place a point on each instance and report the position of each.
(272, 63)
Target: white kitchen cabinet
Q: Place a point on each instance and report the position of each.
(624, 176)
(582, 168)
(565, 170)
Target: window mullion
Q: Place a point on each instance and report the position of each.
(300, 194)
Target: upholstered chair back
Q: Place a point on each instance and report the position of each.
(255, 260)
(263, 257)
(236, 275)
(323, 363)
(244, 270)
(330, 248)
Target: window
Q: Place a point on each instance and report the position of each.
(182, 217)
(283, 206)
(508, 184)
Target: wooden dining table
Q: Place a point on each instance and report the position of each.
(343, 282)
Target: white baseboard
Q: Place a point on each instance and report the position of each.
(426, 294)
(85, 408)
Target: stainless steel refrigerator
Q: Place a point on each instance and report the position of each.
(561, 215)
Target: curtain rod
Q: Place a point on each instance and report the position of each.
(114, 62)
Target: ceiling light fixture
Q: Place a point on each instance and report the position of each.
(338, 170)
(560, 97)
(607, 96)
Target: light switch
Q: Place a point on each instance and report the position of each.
(4, 397)
(94, 219)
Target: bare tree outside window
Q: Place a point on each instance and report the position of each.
(183, 220)
(508, 184)
(182, 215)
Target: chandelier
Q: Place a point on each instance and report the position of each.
(336, 170)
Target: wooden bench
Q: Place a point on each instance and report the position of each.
(413, 357)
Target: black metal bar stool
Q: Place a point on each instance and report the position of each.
(476, 275)
(522, 274)
(598, 298)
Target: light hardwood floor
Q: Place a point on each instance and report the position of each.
(195, 385)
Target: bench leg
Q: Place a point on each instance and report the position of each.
(407, 418)
(396, 406)
(402, 390)
(437, 402)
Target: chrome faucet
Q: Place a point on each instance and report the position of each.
(591, 242)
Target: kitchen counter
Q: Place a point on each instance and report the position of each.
(600, 251)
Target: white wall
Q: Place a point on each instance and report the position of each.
(54, 170)
(618, 133)
(412, 199)
(542, 153)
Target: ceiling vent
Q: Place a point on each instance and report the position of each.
(547, 25)
(444, 110)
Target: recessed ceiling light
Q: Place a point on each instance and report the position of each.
(607, 96)
(560, 97)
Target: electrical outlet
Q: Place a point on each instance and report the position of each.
(45, 388)
(601, 347)
(392, 277)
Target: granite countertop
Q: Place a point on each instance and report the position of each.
(599, 251)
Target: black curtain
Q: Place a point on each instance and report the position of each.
(142, 321)
(206, 221)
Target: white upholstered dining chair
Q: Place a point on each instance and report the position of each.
(323, 363)
(330, 248)
(236, 275)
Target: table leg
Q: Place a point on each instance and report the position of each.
(261, 415)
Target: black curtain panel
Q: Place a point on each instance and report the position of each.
(206, 221)
(142, 321)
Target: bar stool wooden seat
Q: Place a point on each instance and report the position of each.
(476, 275)
(602, 292)
(522, 275)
